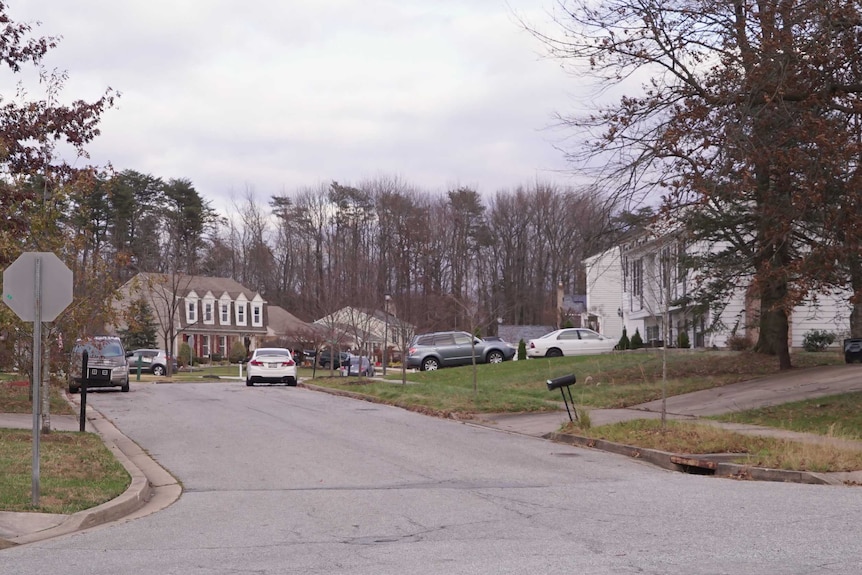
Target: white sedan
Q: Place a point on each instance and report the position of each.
(270, 365)
(570, 341)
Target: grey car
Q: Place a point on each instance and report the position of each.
(153, 361)
(430, 351)
(107, 365)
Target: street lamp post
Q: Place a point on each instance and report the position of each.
(386, 298)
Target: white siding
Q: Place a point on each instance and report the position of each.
(604, 291)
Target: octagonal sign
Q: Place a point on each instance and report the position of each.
(19, 286)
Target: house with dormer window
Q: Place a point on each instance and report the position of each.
(208, 313)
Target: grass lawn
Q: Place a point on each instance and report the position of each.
(604, 381)
(834, 415)
(76, 472)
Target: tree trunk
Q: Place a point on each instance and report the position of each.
(774, 327)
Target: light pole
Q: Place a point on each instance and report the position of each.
(386, 298)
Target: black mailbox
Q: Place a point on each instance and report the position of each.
(562, 383)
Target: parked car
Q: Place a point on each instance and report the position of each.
(570, 341)
(359, 365)
(153, 361)
(107, 364)
(852, 350)
(323, 358)
(449, 348)
(270, 365)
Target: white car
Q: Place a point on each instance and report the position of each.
(570, 341)
(270, 365)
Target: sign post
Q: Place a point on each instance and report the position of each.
(37, 287)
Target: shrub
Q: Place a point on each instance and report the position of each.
(682, 340)
(637, 341)
(818, 340)
(522, 349)
(738, 342)
(624, 341)
(237, 352)
(184, 357)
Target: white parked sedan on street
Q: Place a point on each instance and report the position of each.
(270, 365)
(570, 341)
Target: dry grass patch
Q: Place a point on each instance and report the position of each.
(697, 439)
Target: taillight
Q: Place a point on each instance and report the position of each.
(256, 362)
(532, 345)
(288, 363)
(411, 351)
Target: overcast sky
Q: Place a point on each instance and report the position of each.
(274, 96)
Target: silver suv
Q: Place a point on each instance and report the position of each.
(106, 363)
(153, 361)
(430, 351)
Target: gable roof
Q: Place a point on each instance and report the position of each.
(199, 284)
(282, 322)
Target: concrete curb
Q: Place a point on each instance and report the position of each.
(700, 464)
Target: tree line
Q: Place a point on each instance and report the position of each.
(440, 257)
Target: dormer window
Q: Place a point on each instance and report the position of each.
(224, 313)
(240, 313)
(256, 315)
(191, 312)
(208, 312)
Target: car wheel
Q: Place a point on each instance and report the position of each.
(554, 352)
(430, 364)
(158, 370)
(74, 389)
(125, 387)
(291, 381)
(249, 383)
(495, 357)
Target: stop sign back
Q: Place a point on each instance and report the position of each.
(19, 285)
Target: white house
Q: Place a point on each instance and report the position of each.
(634, 285)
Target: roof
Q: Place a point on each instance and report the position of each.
(200, 284)
(282, 322)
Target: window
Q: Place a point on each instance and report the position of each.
(463, 339)
(225, 313)
(444, 339)
(222, 345)
(652, 333)
(637, 277)
(208, 312)
(240, 314)
(191, 312)
(625, 274)
(256, 315)
(205, 345)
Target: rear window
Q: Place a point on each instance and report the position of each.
(102, 349)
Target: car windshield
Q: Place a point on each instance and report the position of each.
(103, 349)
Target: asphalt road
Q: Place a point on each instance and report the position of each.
(288, 480)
